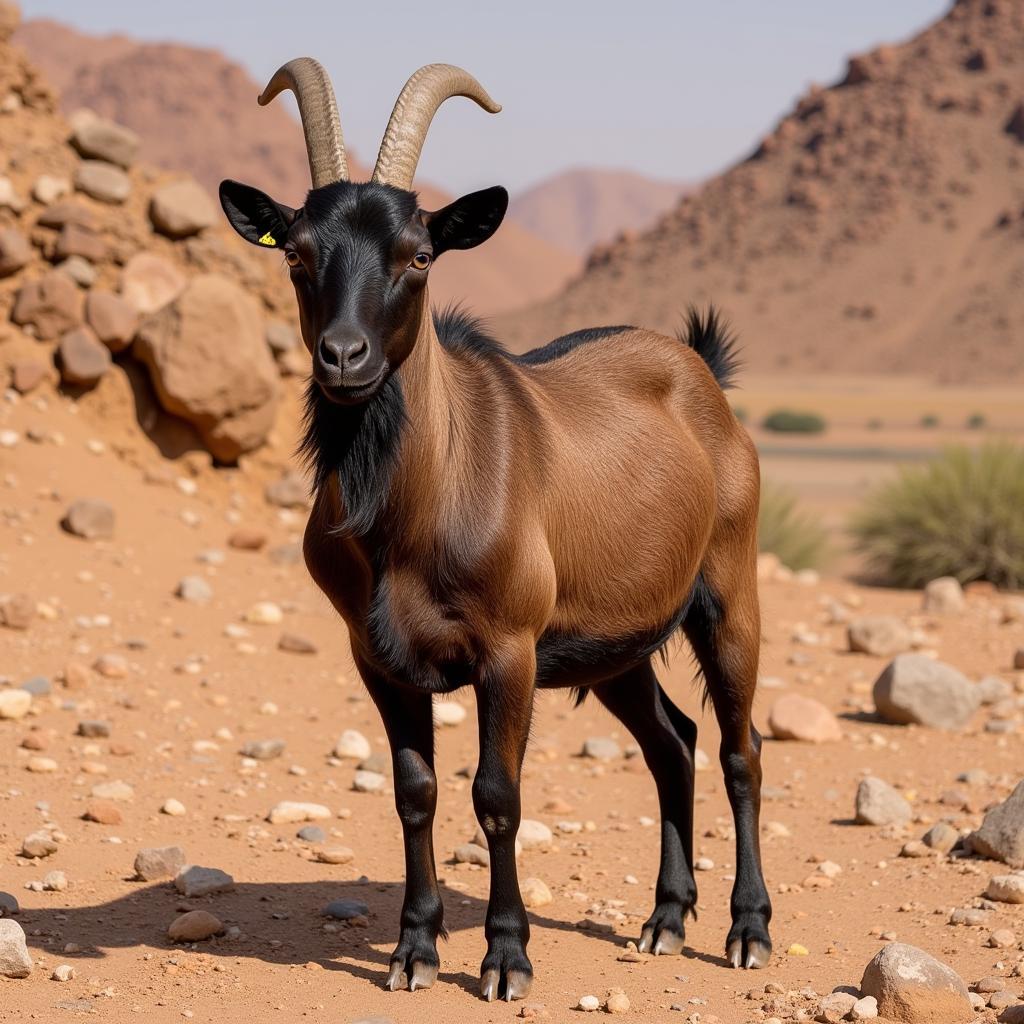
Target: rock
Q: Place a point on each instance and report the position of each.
(281, 337)
(15, 251)
(835, 1006)
(38, 686)
(93, 729)
(879, 804)
(601, 749)
(289, 491)
(1002, 938)
(48, 188)
(449, 713)
(14, 703)
(89, 518)
(1006, 889)
(194, 926)
(118, 791)
(941, 837)
(159, 862)
(588, 1004)
(353, 745)
(52, 304)
(247, 538)
(617, 1002)
(72, 211)
(535, 893)
(194, 589)
(173, 808)
(264, 613)
(8, 905)
(944, 596)
(113, 320)
(295, 644)
(55, 881)
(311, 834)
(149, 282)
(880, 635)
(368, 782)
(290, 811)
(335, 855)
(969, 917)
(911, 986)
(471, 853)
(263, 750)
(992, 690)
(111, 666)
(63, 972)
(16, 611)
(15, 961)
(794, 717)
(38, 845)
(27, 375)
(914, 688)
(10, 18)
(80, 270)
(865, 1009)
(209, 365)
(1018, 658)
(97, 137)
(533, 835)
(76, 240)
(345, 910)
(103, 181)
(103, 812)
(193, 880)
(181, 209)
(42, 765)
(82, 358)
(1014, 1014)
(1001, 836)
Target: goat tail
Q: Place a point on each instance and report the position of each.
(711, 337)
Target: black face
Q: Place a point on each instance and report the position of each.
(359, 256)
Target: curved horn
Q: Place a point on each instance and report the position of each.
(321, 124)
(425, 91)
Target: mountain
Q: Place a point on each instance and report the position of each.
(878, 227)
(195, 110)
(581, 207)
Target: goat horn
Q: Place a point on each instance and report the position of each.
(321, 124)
(417, 103)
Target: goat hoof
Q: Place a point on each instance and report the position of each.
(506, 982)
(396, 978)
(664, 933)
(748, 950)
(423, 976)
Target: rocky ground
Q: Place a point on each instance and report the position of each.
(185, 680)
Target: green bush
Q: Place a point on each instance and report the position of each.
(929, 421)
(977, 421)
(960, 515)
(797, 538)
(792, 421)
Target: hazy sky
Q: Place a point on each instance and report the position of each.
(672, 89)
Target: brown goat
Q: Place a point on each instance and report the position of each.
(508, 522)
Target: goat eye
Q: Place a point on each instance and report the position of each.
(420, 261)
(292, 259)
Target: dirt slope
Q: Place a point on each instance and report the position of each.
(195, 110)
(877, 227)
(584, 206)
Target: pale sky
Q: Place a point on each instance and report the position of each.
(675, 90)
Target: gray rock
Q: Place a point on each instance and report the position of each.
(193, 880)
(345, 910)
(368, 782)
(83, 359)
(263, 750)
(992, 690)
(969, 917)
(105, 140)
(8, 905)
(941, 836)
(912, 986)
(880, 635)
(471, 853)
(944, 596)
(290, 491)
(311, 834)
(378, 762)
(194, 589)
(835, 1006)
(1006, 889)
(914, 688)
(281, 337)
(159, 862)
(1001, 836)
(103, 181)
(38, 845)
(879, 804)
(38, 686)
(601, 748)
(15, 961)
(90, 518)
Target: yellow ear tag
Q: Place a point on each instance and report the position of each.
(268, 239)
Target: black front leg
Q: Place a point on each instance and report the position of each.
(408, 721)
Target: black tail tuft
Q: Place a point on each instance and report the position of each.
(710, 336)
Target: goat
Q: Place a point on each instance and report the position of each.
(512, 522)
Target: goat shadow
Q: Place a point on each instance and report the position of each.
(281, 923)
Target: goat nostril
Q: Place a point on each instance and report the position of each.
(328, 354)
(356, 352)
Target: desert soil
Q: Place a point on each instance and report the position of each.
(197, 682)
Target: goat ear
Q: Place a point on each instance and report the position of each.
(468, 221)
(254, 215)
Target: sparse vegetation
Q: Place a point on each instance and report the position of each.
(929, 421)
(795, 536)
(959, 515)
(977, 421)
(740, 413)
(793, 421)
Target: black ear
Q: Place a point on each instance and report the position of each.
(254, 215)
(468, 221)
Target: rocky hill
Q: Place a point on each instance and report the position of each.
(879, 226)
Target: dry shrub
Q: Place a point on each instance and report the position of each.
(795, 537)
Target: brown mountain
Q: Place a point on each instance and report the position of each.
(196, 111)
(878, 227)
(581, 207)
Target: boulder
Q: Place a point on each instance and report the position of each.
(913, 987)
(880, 635)
(105, 140)
(112, 318)
(1006, 888)
(210, 365)
(15, 251)
(149, 282)
(1001, 836)
(193, 880)
(159, 862)
(76, 240)
(944, 596)
(103, 181)
(917, 689)
(181, 209)
(877, 803)
(15, 961)
(89, 518)
(794, 717)
(51, 304)
(81, 358)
